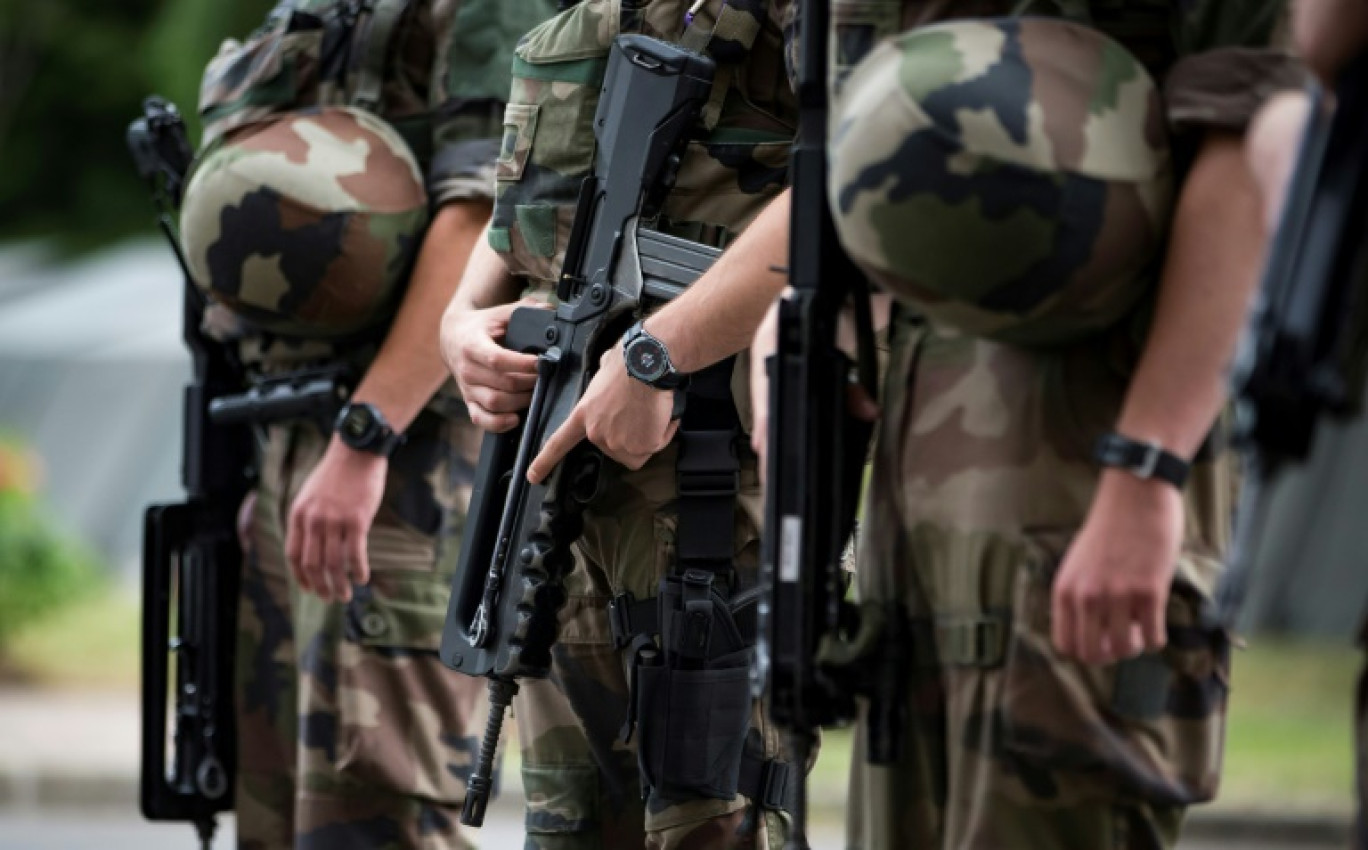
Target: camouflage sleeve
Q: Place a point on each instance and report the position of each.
(469, 87)
(1233, 56)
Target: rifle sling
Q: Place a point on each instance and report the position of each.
(709, 474)
(375, 42)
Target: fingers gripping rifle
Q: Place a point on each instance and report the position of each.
(508, 586)
(1305, 353)
(191, 558)
(815, 650)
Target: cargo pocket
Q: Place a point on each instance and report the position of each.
(406, 723)
(548, 142)
(519, 127)
(1149, 729)
(274, 70)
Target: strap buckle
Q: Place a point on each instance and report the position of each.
(1149, 461)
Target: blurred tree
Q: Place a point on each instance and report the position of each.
(72, 75)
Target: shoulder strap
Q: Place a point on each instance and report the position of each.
(725, 30)
(374, 50)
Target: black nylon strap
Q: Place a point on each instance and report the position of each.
(630, 618)
(1144, 460)
(708, 472)
(768, 783)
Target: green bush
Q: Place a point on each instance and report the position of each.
(40, 570)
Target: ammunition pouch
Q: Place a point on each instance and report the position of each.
(692, 646)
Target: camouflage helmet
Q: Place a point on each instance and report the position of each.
(1008, 178)
(306, 225)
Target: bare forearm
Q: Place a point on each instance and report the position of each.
(717, 316)
(1209, 276)
(409, 368)
(486, 282)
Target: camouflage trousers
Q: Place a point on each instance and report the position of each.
(581, 778)
(981, 477)
(352, 734)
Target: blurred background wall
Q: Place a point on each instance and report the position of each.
(90, 358)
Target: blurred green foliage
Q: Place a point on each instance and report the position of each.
(40, 570)
(72, 76)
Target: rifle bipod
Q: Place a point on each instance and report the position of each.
(501, 693)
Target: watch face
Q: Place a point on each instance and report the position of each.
(646, 359)
(357, 425)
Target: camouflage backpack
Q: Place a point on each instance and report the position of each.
(307, 202)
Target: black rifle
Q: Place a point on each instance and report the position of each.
(508, 586)
(191, 558)
(1305, 354)
(816, 651)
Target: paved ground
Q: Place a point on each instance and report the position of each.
(120, 831)
(114, 831)
(68, 767)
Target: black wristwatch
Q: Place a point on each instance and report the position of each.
(1143, 460)
(362, 426)
(649, 361)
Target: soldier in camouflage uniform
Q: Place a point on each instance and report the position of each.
(333, 136)
(1011, 182)
(1070, 680)
(581, 778)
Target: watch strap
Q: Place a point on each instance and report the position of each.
(1141, 459)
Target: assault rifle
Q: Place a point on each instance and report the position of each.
(508, 586)
(1305, 354)
(815, 650)
(191, 559)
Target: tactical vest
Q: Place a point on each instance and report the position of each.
(548, 143)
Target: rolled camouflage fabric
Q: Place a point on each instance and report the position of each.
(306, 225)
(1008, 178)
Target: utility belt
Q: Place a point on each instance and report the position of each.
(691, 646)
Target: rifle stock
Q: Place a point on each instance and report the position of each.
(508, 585)
(816, 458)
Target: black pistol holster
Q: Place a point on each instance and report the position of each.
(692, 646)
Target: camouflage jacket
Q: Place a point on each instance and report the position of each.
(548, 145)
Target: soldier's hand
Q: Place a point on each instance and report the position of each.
(626, 419)
(496, 383)
(1112, 588)
(325, 541)
(763, 346)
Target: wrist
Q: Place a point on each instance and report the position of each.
(340, 454)
(1120, 487)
